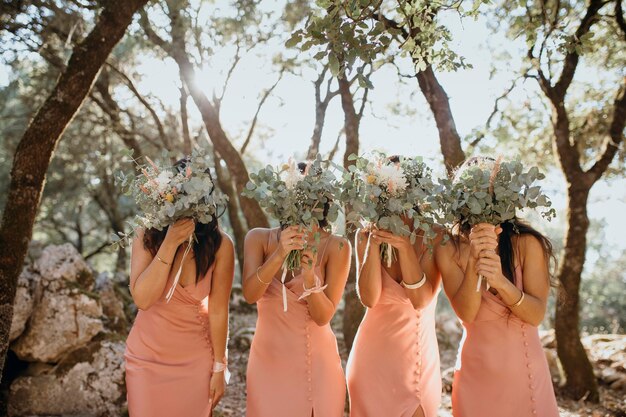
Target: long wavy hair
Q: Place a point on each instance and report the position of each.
(209, 238)
(510, 229)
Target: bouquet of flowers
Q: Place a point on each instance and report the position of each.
(384, 193)
(295, 197)
(165, 194)
(486, 190)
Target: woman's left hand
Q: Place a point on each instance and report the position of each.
(216, 388)
(400, 243)
(490, 267)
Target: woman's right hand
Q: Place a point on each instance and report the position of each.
(179, 232)
(291, 238)
(368, 232)
(483, 237)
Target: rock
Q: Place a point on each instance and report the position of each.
(67, 313)
(548, 338)
(62, 263)
(241, 338)
(449, 330)
(447, 377)
(87, 382)
(556, 372)
(112, 305)
(24, 300)
(59, 323)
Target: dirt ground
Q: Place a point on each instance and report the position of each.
(233, 404)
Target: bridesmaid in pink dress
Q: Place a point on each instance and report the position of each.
(501, 368)
(393, 368)
(294, 368)
(176, 351)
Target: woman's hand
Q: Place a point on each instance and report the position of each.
(216, 388)
(400, 243)
(483, 237)
(308, 261)
(180, 231)
(368, 232)
(291, 238)
(490, 267)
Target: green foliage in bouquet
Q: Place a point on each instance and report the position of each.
(296, 198)
(382, 193)
(491, 191)
(165, 194)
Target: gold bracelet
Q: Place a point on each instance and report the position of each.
(161, 259)
(259, 278)
(518, 301)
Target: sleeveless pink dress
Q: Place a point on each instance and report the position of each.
(393, 367)
(169, 356)
(294, 368)
(501, 368)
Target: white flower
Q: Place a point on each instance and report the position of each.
(391, 175)
(163, 180)
(291, 176)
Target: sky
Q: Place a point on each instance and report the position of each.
(286, 122)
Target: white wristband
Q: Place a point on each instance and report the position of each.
(415, 286)
(222, 367)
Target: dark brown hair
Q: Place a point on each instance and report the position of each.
(208, 238)
(516, 227)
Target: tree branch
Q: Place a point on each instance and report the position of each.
(264, 98)
(615, 138)
(571, 59)
(131, 86)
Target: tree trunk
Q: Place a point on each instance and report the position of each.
(36, 148)
(353, 309)
(581, 381)
(316, 138)
(351, 120)
(254, 215)
(226, 185)
(439, 103)
(184, 118)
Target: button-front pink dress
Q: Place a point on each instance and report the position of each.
(393, 367)
(501, 368)
(169, 356)
(294, 368)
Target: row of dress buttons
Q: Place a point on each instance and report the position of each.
(528, 366)
(204, 321)
(418, 364)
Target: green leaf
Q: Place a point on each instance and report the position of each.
(333, 64)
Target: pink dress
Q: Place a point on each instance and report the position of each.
(501, 368)
(393, 368)
(169, 356)
(294, 368)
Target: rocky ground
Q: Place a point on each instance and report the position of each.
(70, 324)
